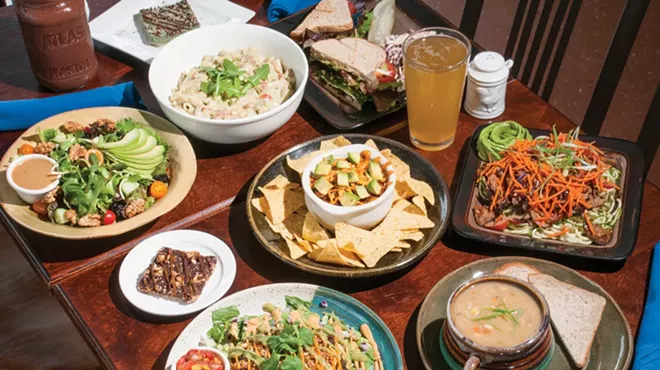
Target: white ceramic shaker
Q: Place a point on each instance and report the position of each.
(487, 76)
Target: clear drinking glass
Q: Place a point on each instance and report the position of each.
(435, 64)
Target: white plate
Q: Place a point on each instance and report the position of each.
(142, 255)
(117, 28)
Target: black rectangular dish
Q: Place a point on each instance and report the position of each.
(410, 15)
(630, 161)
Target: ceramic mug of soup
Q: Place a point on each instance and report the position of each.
(32, 176)
(498, 322)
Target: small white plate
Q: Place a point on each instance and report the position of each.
(117, 26)
(142, 255)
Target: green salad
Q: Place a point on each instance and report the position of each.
(109, 171)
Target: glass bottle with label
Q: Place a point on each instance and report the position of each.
(58, 42)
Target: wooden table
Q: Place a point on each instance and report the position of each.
(83, 275)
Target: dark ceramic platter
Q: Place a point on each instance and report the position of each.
(326, 104)
(629, 159)
(612, 347)
(420, 168)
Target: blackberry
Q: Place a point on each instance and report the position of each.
(118, 209)
(163, 178)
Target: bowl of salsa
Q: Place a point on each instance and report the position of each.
(353, 184)
(203, 358)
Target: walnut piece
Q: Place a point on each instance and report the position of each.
(134, 207)
(45, 148)
(106, 125)
(51, 196)
(70, 127)
(90, 220)
(71, 216)
(76, 152)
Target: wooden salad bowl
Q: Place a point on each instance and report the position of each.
(183, 166)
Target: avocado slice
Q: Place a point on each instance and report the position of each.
(149, 143)
(353, 177)
(127, 141)
(362, 192)
(329, 158)
(342, 179)
(322, 169)
(58, 216)
(148, 157)
(354, 157)
(374, 187)
(349, 199)
(343, 164)
(375, 171)
(322, 186)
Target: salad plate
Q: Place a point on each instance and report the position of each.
(625, 156)
(140, 257)
(308, 299)
(273, 238)
(181, 163)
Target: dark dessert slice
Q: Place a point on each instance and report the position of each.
(162, 24)
(177, 274)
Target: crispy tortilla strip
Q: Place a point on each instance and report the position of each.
(312, 230)
(423, 189)
(370, 143)
(396, 250)
(295, 249)
(282, 202)
(403, 245)
(420, 203)
(401, 168)
(329, 253)
(337, 142)
(414, 235)
(299, 164)
(369, 246)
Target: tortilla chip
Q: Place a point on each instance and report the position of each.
(279, 183)
(369, 246)
(402, 190)
(294, 226)
(260, 204)
(312, 230)
(282, 202)
(405, 216)
(304, 244)
(295, 249)
(403, 245)
(337, 142)
(329, 253)
(396, 250)
(420, 203)
(281, 229)
(401, 168)
(299, 164)
(414, 235)
(423, 189)
(370, 143)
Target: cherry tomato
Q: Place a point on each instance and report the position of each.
(351, 7)
(40, 208)
(26, 149)
(199, 359)
(158, 189)
(97, 153)
(499, 225)
(109, 217)
(386, 73)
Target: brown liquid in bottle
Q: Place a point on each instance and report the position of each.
(58, 42)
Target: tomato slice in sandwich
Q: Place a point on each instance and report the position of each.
(386, 73)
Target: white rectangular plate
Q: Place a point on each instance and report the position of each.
(117, 27)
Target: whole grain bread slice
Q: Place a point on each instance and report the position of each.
(575, 314)
(517, 270)
(329, 16)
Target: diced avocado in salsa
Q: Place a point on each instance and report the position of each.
(350, 181)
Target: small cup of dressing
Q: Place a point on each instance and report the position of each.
(32, 177)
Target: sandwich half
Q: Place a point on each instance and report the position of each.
(355, 71)
(329, 16)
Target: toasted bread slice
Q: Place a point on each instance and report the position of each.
(575, 314)
(517, 270)
(354, 55)
(329, 16)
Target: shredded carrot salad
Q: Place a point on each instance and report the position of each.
(559, 171)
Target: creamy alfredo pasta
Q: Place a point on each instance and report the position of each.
(276, 86)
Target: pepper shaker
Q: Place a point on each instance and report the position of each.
(486, 85)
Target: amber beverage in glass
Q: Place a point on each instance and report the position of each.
(435, 65)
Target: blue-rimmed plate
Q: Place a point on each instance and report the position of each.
(250, 302)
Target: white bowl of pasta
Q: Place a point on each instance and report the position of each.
(230, 83)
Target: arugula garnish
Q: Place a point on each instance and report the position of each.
(48, 134)
(230, 81)
(296, 303)
(363, 30)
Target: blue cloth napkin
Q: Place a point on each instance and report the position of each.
(279, 9)
(647, 351)
(21, 114)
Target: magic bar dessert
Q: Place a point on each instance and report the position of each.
(162, 24)
(177, 274)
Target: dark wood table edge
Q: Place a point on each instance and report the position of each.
(79, 323)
